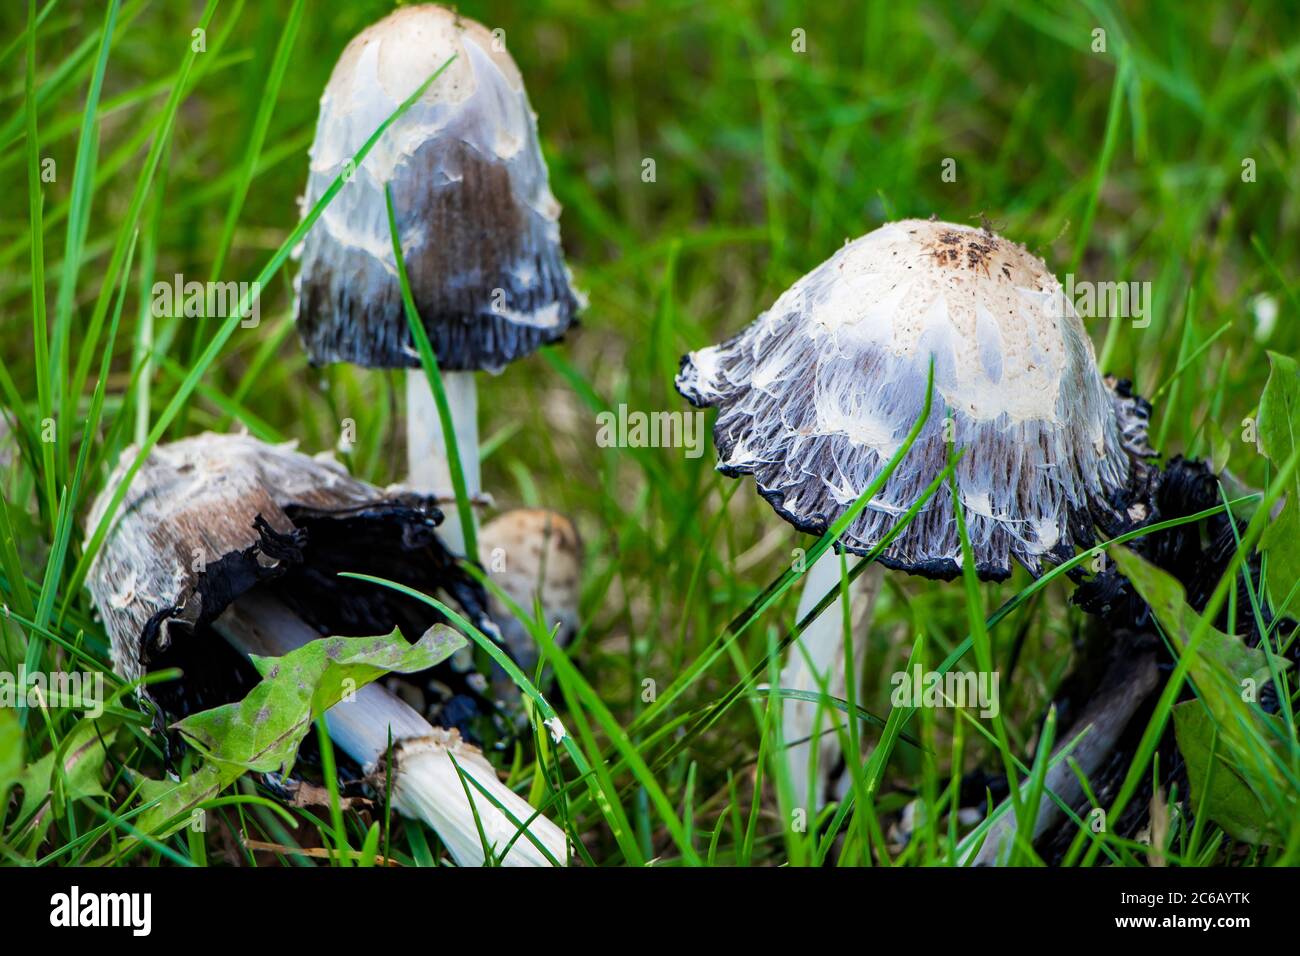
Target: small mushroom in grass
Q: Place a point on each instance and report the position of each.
(479, 227)
(817, 394)
(533, 555)
(223, 536)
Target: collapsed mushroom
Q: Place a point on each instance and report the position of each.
(478, 225)
(817, 394)
(223, 536)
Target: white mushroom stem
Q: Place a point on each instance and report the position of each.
(428, 464)
(426, 785)
(1127, 684)
(819, 653)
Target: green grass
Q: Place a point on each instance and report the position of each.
(1117, 165)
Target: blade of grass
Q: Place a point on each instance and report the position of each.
(256, 140)
(549, 718)
(127, 229)
(79, 205)
(429, 362)
(983, 646)
(40, 334)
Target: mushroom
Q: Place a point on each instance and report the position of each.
(478, 225)
(534, 555)
(820, 657)
(816, 395)
(223, 536)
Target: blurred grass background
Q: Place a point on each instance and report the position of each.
(1119, 165)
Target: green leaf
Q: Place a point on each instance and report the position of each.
(1279, 411)
(177, 800)
(1219, 653)
(82, 753)
(370, 848)
(1226, 674)
(77, 778)
(1229, 801)
(262, 731)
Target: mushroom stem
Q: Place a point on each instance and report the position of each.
(820, 652)
(426, 785)
(1126, 685)
(428, 463)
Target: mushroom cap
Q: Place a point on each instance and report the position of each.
(478, 224)
(817, 394)
(533, 552)
(209, 517)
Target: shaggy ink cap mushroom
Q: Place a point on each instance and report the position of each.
(817, 394)
(225, 546)
(207, 519)
(479, 226)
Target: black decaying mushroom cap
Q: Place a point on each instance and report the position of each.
(1197, 554)
(478, 224)
(818, 393)
(210, 517)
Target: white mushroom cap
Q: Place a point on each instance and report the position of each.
(478, 224)
(819, 392)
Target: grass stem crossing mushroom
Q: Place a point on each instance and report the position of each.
(818, 664)
(225, 536)
(426, 782)
(427, 458)
(818, 393)
(535, 557)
